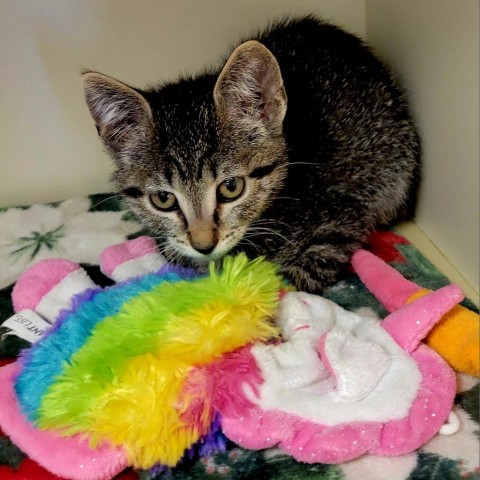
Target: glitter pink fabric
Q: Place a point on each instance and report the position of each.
(254, 428)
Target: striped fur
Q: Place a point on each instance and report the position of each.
(305, 114)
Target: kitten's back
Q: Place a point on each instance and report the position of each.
(345, 110)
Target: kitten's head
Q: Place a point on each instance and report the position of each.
(201, 159)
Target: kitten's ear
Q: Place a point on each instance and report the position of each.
(121, 114)
(250, 88)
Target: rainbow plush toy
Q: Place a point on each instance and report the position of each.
(104, 388)
(137, 373)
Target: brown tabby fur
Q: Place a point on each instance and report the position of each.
(304, 114)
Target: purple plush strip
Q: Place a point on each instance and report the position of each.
(85, 296)
(213, 442)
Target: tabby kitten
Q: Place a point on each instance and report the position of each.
(296, 149)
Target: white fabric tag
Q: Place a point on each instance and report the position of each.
(26, 324)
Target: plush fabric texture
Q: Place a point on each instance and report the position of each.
(131, 259)
(45, 360)
(453, 457)
(71, 457)
(59, 297)
(43, 276)
(332, 359)
(459, 323)
(127, 350)
(117, 254)
(378, 392)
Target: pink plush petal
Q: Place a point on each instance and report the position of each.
(304, 440)
(409, 325)
(387, 284)
(67, 457)
(257, 429)
(429, 410)
(38, 280)
(311, 442)
(314, 443)
(117, 254)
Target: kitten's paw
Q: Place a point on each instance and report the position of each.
(303, 280)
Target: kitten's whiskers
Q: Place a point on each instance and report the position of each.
(268, 220)
(105, 200)
(249, 242)
(253, 232)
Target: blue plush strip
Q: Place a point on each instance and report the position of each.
(46, 360)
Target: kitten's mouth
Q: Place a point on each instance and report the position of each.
(220, 250)
(205, 257)
(215, 254)
(184, 252)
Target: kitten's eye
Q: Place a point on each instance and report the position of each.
(164, 201)
(230, 189)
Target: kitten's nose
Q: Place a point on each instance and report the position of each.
(203, 235)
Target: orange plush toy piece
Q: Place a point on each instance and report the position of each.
(456, 337)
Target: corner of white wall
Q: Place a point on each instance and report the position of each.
(434, 46)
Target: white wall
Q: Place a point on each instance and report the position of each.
(49, 149)
(434, 44)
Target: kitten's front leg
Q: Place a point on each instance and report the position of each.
(318, 267)
(324, 257)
